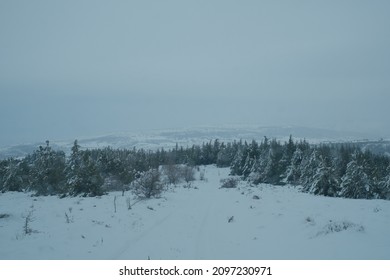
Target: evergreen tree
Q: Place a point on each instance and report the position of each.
(238, 161)
(48, 171)
(11, 176)
(385, 185)
(309, 166)
(343, 158)
(355, 183)
(225, 156)
(83, 176)
(323, 181)
(274, 169)
(289, 149)
(92, 180)
(293, 172)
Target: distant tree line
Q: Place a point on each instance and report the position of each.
(338, 170)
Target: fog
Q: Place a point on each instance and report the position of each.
(73, 69)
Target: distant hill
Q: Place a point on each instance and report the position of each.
(187, 137)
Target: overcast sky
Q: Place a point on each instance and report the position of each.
(75, 68)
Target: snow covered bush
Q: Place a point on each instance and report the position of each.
(148, 184)
(334, 226)
(229, 183)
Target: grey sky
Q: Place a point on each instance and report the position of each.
(70, 69)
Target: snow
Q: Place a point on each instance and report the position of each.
(192, 223)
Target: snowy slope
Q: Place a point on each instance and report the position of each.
(192, 223)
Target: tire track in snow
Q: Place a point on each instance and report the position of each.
(142, 235)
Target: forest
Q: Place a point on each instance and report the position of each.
(336, 170)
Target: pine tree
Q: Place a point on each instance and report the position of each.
(12, 179)
(225, 156)
(92, 180)
(309, 166)
(82, 173)
(355, 183)
(293, 172)
(48, 171)
(323, 181)
(384, 185)
(238, 162)
(73, 170)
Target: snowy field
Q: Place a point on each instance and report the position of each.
(200, 222)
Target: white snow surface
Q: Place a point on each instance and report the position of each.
(192, 223)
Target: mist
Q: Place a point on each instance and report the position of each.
(73, 69)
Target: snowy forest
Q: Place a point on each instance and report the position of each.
(336, 170)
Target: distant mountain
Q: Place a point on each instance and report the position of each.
(187, 137)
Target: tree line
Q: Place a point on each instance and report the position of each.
(338, 170)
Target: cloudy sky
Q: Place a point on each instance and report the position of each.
(76, 68)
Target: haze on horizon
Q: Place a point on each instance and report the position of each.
(72, 68)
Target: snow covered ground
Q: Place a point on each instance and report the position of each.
(193, 223)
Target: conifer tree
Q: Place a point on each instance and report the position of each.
(83, 176)
(385, 185)
(293, 172)
(309, 166)
(11, 177)
(355, 183)
(323, 181)
(48, 171)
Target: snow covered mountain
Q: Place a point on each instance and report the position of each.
(187, 137)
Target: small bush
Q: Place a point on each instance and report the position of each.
(188, 174)
(172, 173)
(202, 175)
(27, 223)
(229, 183)
(333, 227)
(3, 216)
(148, 184)
(68, 218)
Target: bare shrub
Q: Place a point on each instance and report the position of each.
(27, 223)
(202, 175)
(188, 173)
(172, 173)
(69, 216)
(128, 203)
